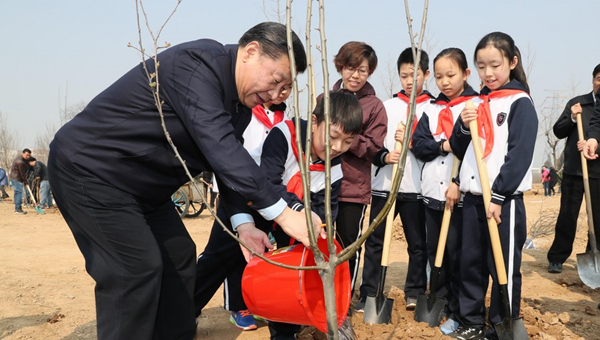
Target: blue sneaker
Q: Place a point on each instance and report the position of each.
(243, 320)
(450, 326)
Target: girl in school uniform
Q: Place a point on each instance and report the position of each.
(507, 121)
(431, 145)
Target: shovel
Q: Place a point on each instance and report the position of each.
(587, 263)
(36, 206)
(378, 308)
(430, 308)
(508, 328)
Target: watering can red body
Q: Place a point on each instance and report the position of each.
(294, 296)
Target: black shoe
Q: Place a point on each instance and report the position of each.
(555, 267)
(469, 333)
(20, 212)
(360, 306)
(411, 303)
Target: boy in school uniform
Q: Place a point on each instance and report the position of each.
(279, 161)
(409, 201)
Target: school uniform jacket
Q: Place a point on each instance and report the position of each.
(381, 180)
(515, 126)
(118, 139)
(279, 165)
(253, 138)
(566, 127)
(427, 147)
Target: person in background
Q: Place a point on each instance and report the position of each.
(553, 180)
(40, 174)
(18, 179)
(355, 62)
(546, 180)
(3, 184)
(571, 186)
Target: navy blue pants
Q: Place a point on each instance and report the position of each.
(348, 228)
(449, 279)
(142, 260)
(412, 216)
(477, 260)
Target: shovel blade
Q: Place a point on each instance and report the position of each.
(378, 309)
(39, 210)
(511, 329)
(430, 309)
(588, 267)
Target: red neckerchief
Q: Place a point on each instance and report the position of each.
(260, 114)
(294, 185)
(446, 118)
(484, 117)
(420, 99)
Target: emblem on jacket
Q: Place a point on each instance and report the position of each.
(501, 118)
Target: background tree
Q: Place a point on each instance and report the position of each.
(9, 143)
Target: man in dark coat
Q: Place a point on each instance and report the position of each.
(572, 180)
(113, 172)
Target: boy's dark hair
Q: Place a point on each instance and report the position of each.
(596, 71)
(31, 159)
(26, 150)
(272, 38)
(506, 45)
(458, 56)
(344, 111)
(406, 57)
(352, 54)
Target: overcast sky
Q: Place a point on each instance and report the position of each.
(78, 48)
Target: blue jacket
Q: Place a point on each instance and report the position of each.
(118, 138)
(3, 179)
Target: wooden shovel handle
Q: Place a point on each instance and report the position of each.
(389, 221)
(439, 255)
(586, 187)
(487, 198)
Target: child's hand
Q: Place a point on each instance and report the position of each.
(468, 115)
(392, 157)
(255, 238)
(494, 212)
(580, 145)
(589, 149)
(399, 135)
(452, 196)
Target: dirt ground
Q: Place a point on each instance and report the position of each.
(45, 292)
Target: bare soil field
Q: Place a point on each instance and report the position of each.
(45, 292)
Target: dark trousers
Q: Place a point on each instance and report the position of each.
(477, 260)
(413, 221)
(222, 258)
(348, 228)
(572, 193)
(449, 278)
(142, 261)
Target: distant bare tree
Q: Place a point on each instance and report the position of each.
(430, 46)
(42, 142)
(528, 56)
(9, 143)
(389, 79)
(273, 11)
(67, 112)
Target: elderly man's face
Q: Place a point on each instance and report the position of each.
(26, 155)
(259, 78)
